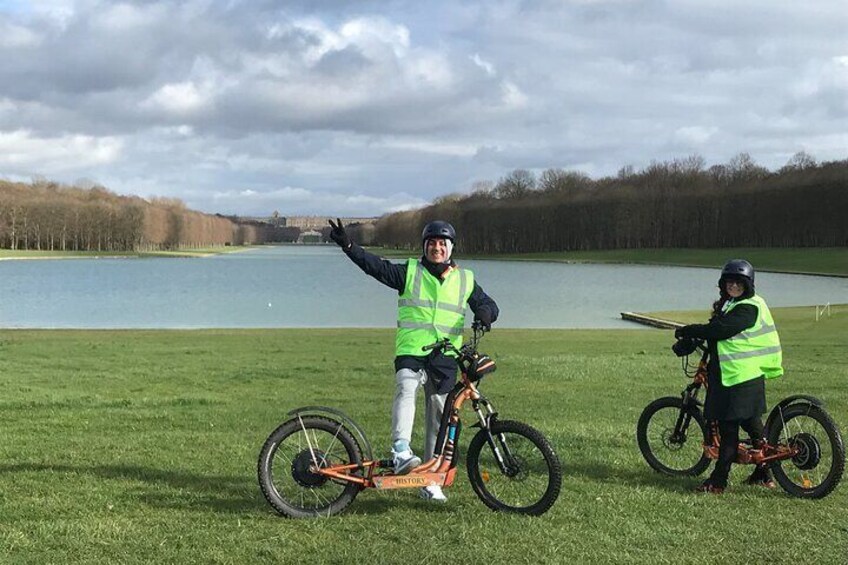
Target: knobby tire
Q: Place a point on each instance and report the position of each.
(659, 451)
(277, 475)
(828, 473)
(536, 467)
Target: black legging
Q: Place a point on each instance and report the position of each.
(728, 448)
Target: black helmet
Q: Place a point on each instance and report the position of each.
(738, 268)
(438, 228)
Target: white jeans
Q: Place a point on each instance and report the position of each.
(403, 408)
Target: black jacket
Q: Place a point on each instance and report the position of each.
(744, 400)
(440, 367)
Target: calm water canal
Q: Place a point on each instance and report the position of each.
(317, 286)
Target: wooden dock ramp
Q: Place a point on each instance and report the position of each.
(650, 320)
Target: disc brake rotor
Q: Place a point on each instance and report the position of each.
(673, 441)
(516, 469)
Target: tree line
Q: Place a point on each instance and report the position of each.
(678, 203)
(45, 215)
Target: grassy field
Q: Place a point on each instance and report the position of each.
(141, 446)
(822, 260)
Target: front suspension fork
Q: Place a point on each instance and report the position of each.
(684, 419)
(487, 416)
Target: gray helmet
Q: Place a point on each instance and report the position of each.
(438, 228)
(738, 268)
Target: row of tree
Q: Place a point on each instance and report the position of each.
(678, 203)
(49, 216)
(45, 215)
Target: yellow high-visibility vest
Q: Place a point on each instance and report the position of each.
(753, 352)
(429, 310)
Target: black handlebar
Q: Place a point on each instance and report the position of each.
(481, 326)
(441, 344)
(478, 328)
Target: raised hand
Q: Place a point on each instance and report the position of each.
(339, 235)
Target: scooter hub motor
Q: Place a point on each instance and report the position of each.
(809, 451)
(300, 469)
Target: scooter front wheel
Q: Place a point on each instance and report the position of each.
(671, 437)
(513, 468)
(288, 461)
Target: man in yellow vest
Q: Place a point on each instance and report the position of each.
(433, 292)
(744, 352)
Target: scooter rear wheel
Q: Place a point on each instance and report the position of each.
(287, 465)
(819, 463)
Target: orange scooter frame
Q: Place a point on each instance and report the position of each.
(746, 453)
(438, 471)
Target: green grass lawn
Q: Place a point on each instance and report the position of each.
(141, 446)
(821, 260)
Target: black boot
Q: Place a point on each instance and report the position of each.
(762, 473)
(711, 486)
(761, 477)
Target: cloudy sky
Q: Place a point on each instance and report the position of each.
(348, 107)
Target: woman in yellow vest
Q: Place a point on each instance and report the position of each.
(433, 292)
(744, 351)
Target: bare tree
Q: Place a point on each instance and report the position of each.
(800, 161)
(516, 184)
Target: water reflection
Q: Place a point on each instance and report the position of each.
(303, 286)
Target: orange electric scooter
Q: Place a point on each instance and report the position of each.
(803, 445)
(316, 463)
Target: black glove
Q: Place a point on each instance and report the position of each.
(479, 324)
(686, 332)
(684, 347)
(483, 315)
(339, 235)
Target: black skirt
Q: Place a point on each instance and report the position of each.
(734, 403)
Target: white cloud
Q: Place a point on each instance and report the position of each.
(512, 95)
(180, 99)
(57, 11)
(485, 65)
(695, 135)
(7, 108)
(373, 35)
(21, 151)
(123, 17)
(12, 35)
(438, 147)
(377, 38)
(285, 194)
(379, 106)
(297, 200)
(430, 70)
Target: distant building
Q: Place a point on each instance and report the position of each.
(310, 236)
(319, 222)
